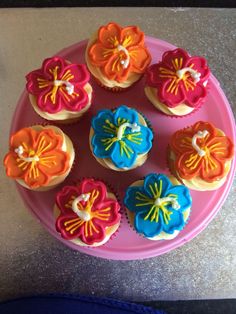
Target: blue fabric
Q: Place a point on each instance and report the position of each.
(67, 304)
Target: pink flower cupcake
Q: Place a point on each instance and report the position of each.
(87, 214)
(59, 91)
(178, 84)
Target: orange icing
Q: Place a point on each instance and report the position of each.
(39, 159)
(114, 47)
(218, 149)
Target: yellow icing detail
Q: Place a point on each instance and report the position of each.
(150, 211)
(109, 142)
(65, 94)
(127, 41)
(125, 148)
(193, 161)
(86, 228)
(105, 209)
(93, 227)
(73, 226)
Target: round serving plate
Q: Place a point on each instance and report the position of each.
(126, 244)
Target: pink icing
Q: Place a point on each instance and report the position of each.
(104, 212)
(51, 98)
(173, 91)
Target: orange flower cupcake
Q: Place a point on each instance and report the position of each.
(87, 214)
(40, 157)
(200, 156)
(117, 57)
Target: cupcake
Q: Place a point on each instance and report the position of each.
(87, 214)
(158, 207)
(117, 57)
(59, 91)
(120, 139)
(40, 157)
(200, 156)
(177, 85)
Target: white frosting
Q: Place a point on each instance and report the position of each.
(125, 62)
(69, 86)
(20, 150)
(159, 201)
(195, 75)
(84, 215)
(134, 127)
(199, 134)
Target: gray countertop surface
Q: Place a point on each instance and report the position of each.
(31, 260)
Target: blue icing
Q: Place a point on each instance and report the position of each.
(155, 213)
(123, 151)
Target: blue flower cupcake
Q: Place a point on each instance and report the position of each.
(120, 139)
(158, 207)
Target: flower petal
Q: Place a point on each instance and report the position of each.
(221, 148)
(93, 232)
(131, 36)
(89, 185)
(54, 163)
(28, 136)
(104, 123)
(65, 196)
(46, 141)
(136, 199)
(141, 142)
(213, 169)
(33, 82)
(102, 145)
(114, 70)
(99, 54)
(107, 34)
(146, 227)
(156, 184)
(170, 97)
(49, 65)
(125, 113)
(75, 102)
(200, 65)
(194, 97)
(122, 155)
(35, 181)
(79, 72)
(189, 164)
(107, 212)
(176, 222)
(183, 197)
(153, 78)
(140, 58)
(12, 166)
(172, 59)
(70, 226)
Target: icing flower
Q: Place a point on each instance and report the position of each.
(158, 205)
(201, 150)
(86, 212)
(59, 85)
(118, 135)
(119, 51)
(179, 78)
(36, 157)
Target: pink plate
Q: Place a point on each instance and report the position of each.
(127, 244)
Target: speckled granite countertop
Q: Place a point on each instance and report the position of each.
(31, 261)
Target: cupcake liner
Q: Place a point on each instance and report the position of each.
(116, 89)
